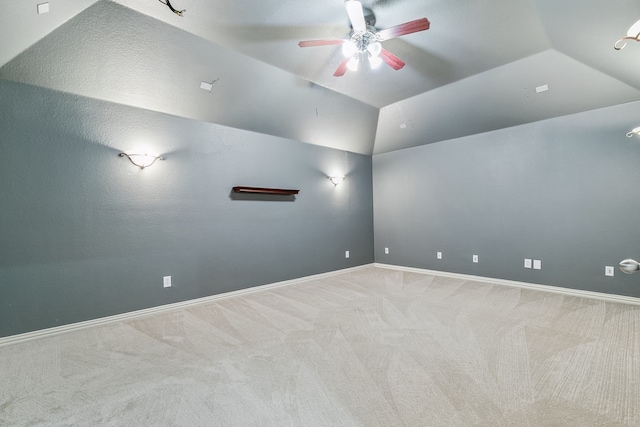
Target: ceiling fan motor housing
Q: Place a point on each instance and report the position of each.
(363, 40)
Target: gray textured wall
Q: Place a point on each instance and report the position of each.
(85, 234)
(565, 191)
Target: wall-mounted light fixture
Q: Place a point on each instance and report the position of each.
(629, 266)
(634, 131)
(142, 160)
(336, 179)
(632, 34)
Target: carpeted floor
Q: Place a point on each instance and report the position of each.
(374, 347)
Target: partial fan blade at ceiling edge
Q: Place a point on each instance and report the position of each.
(356, 15)
(391, 60)
(403, 29)
(342, 68)
(311, 43)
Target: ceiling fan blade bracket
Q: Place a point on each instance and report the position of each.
(342, 68)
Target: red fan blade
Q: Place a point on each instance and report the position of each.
(403, 29)
(391, 60)
(342, 68)
(310, 43)
(356, 15)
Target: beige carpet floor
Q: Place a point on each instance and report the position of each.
(374, 347)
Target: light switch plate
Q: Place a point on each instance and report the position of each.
(537, 264)
(166, 281)
(346, 254)
(475, 258)
(527, 263)
(609, 270)
(439, 255)
(386, 250)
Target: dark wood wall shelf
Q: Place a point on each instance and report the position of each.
(261, 190)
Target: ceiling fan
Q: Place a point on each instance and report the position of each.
(365, 41)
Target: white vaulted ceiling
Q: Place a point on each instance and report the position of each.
(475, 70)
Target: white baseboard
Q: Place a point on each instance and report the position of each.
(546, 288)
(49, 332)
(43, 333)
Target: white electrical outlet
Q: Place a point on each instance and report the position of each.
(608, 270)
(346, 254)
(386, 251)
(537, 264)
(166, 281)
(527, 263)
(475, 258)
(439, 255)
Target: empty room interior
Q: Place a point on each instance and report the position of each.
(291, 213)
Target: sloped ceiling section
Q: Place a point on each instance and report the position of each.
(21, 26)
(465, 38)
(112, 53)
(475, 70)
(500, 98)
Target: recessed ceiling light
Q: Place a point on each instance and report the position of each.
(542, 88)
(43, 8)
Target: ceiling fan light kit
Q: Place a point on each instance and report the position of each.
(365, 41)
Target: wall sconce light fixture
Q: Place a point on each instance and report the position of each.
(142, 160)
(635, 131)
(336, 179)
(632, 34)
(629, 266)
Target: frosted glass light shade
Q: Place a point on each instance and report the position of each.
(375, 61)
(375, 48)
(353, 64)
(349, 49)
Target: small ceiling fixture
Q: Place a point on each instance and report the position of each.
(208, 85)
(142, 160)
(336, 179)
(542, 88)
(634, 131)
(43, 8)
(632, 34)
